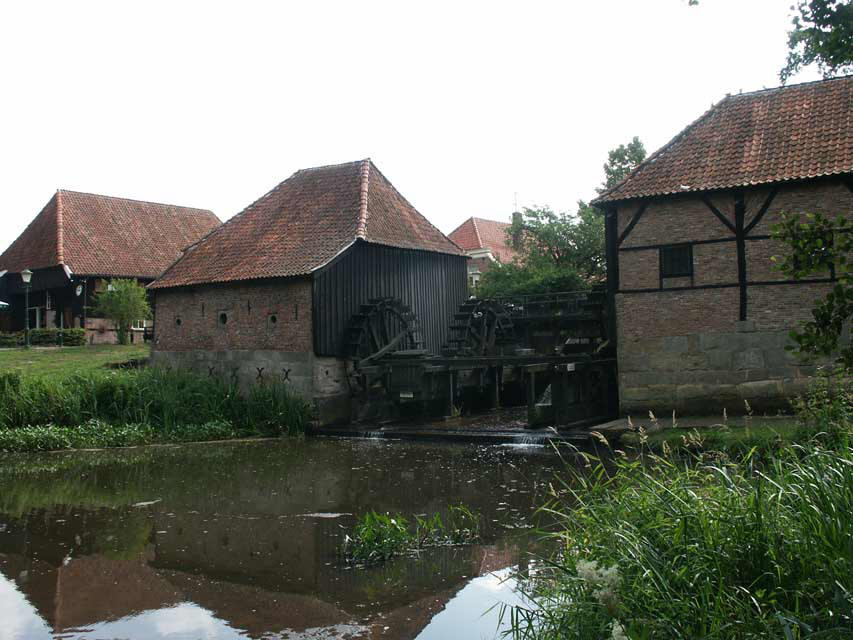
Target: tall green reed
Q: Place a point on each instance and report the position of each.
(702, 547)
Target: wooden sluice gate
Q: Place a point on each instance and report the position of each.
(549, 352)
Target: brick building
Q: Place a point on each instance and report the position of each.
(271, 294)
(78, 242)
(702, 316)
(486, 243)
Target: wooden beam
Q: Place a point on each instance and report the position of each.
(639, 214)
(740, 215)
(764, 207)
(717, 213)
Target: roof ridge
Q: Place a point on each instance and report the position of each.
(60, 235)
(328, 166)
(361, 228)
(162, 204)
(477, 233)
(783, 87)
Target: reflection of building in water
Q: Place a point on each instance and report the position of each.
(240, 536)
(77, 590)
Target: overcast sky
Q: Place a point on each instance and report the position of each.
(462, 105)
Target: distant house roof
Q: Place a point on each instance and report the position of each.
(479, 233)
(305, 222)
(787, 133)
(101, 235)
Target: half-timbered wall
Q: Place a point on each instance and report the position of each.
(717, 336)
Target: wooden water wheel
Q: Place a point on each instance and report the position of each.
(381, 327)
(480, 328)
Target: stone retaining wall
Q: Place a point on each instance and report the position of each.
(709, 372)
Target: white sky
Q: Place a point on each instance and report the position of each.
(460, 104)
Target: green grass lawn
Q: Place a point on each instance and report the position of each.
(56, 361)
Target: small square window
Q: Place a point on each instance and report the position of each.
(676, 261)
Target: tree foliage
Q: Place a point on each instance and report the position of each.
(819, 246)
(560, 251)
(822, 34)
(124, 302)
(621, 161)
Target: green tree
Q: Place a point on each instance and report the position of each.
(124, 302)
(822, 34)
(819, 245)
(560, 251)
(621, 161)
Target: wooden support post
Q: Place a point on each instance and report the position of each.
(531, 398)
(560, 399)
(446, 393)
(494, 388)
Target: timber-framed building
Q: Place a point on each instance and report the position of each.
(702, 316)
(77, 243)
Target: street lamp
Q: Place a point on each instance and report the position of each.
(26, 276)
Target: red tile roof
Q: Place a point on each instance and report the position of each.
(102, 235)
(787, 133)
(478, 233)
(303, 223)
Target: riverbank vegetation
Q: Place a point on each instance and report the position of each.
(702, 540)
(380, 536)
(139, 406)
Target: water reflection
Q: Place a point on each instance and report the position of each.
(240, 540)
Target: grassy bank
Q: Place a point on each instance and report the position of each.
(138, 406)
(743, 531)
(65, 361)
(702, 549)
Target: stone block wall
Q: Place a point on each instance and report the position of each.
(687, 349)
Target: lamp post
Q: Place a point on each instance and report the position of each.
(26, 276)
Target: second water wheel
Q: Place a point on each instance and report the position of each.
(480, 328)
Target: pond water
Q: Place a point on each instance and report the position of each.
(241, 540)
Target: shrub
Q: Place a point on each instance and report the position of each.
(826, 409)
(667, 549)
(11, 339)
(50, 337)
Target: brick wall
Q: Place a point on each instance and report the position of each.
(687, 349)
(270, 315)
(250, 332)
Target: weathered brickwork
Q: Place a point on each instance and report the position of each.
(670, 313)
(250, 332)
(273, 316)
(685, 219)
(639, 269)
(714, 263)
(688, 350)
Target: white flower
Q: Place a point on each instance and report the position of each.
(617, 632)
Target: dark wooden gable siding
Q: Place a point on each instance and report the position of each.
(433, 284)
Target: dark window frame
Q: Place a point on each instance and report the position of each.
(662, 262)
